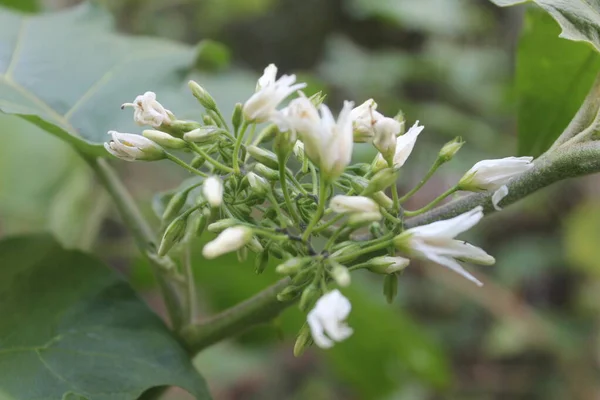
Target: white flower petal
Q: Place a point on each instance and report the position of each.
(406, 143)
(326, 319)
(498, 196)
(449, 228)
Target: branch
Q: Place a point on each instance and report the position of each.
(577, 160)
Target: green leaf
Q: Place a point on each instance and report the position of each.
(21, 5)
(68, 73)
(552, 79)
(579, 19)
(71, 328)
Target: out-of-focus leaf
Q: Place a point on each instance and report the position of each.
(71, 327)
(553, 77)
(581, 238)
(77, 96)
(214, 56)
(579, 19)
(21, 5)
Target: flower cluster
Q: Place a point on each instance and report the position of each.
(302, 203)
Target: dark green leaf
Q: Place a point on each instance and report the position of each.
(71, 328)
(67, 73)
(553, 77)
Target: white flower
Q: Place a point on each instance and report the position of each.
(130, 147)
(148, 111)
(492, 174)
(363, 119)
(498, 196)
(388, 264)
(231, 239)
(404, 146)
(212, 189)
(436, 242)
(327, 319)
(353, 204)
(262, 105)
(386, 130)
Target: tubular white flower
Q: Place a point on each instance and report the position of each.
(386, 130)
(327, 319)
(262, 105)
(404, 146)
(436, 242)
(231, 239)
(364, 118)
(353, 204)
(492, 174)
(212, 189)
(130, 147)
(498, 195)
(148, 111)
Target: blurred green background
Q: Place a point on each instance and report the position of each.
(530, 333)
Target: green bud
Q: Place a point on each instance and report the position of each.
(357, 220)
(380, 181)
(205, 99)
(292, 266)
(450, 149)
(175, 205)
(208, 120)
(221, 225)
(284, 144)
(340, 274)
(255, 246)
(375, 229)
(268, 173)
(288, 294)
(382, 199)
(179, 127)
(309, 297)
(303, 341)
(202, 222)
(303, 276)
(267, 134)
(164, 139)
(264, 156)
(318, 98)
(173, 234)
(205, 134)
(258, 184)
(347, 249)
(360, 168)
(260, 262)
(359, 184)
(197, 162)
(237, 117)
(387, 264)
(390, 287)
(242, 254)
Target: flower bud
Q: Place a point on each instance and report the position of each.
(390, 287)
(450, 149)
(263, 156)
(309, 296)
(197, 162)
(387, 265)
(493, 174)
(268, 173)
(288, 294)
(255, 246)
(358, 220)
(258, 184)
(352, 204)
(242, 254)
(208, 121)
(173, 234)
(298, 151)
(205, 99)
(164, 139)
(340, 274)
(202, 222)
(303, 341)
(386, 131)
(205, 134)
(175, 205)
(284, 143)
(237, 117)
(231, 239)
(261, 262)
(382, 199)
(292, 266)
(212, 189)
(380, 181)
(130, 147)
(221, 225)
(267, 134)
(179, 127)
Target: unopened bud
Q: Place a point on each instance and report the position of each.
(202, 222)
(358, 220)
(258, 184)
(229, 240)
(263, 156)
(340, 274)
(208, 120)
(284, 143)
(205, 99)
(267, 134)
(197, 162)
(292, 265)
(303, 341)
(288, 294)
(268, 173)
(380, 181)
(237, 117)
(175, 205)
(387, 264)
(450, 149)
(205, 134)
(352, 204)
(164, 139)
(390, 287)
(173, 234)
(260, 262)
(221, 225)
(255, 246)
(382, 199)
(242, 254)
(309, 296)
(212, 189)
(299, 151)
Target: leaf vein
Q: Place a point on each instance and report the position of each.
(17, 50)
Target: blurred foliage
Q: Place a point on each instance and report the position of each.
(448, 64)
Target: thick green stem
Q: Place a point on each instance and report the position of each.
(143, 236)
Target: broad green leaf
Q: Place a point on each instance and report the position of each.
(21, 5)
(68, 73)
(579, 19)
(71, 328)
(552, 79)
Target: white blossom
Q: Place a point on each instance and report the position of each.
(212, 189)
(231, 239)
(327, 319)
(492, 174)
(404, 146)
(353, 204)
(364, 118)
(386, 131)
(498, 195)
(263, 104)
(130, 147)
(148, 111)
(436, 242)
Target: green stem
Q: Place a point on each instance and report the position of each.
(435, 202)
(278, 209)
(143, 236)
(327, 224)
(320, 209)
(365, 250)
(426, 178)
(184, 165)
(237, 146)
(210, 159)
(191, 297)
(286, 194)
